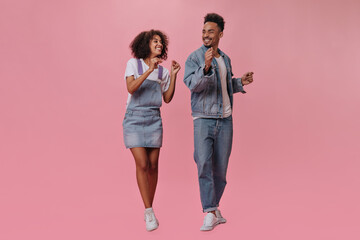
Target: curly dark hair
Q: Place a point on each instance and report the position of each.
(140, 45)
(216, 18)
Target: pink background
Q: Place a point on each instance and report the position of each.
(294, 169)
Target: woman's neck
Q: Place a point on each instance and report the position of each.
(147, 60)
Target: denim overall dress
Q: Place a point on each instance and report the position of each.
(142, 125)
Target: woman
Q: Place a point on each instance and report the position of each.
(147, 82)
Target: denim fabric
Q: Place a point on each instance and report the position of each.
(142, 125)
(206, 99)
(147, 96)
(213, 142)
(143, 129)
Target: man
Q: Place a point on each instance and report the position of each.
(208, 75)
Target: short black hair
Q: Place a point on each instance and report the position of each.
(216, 18)
(140, 45)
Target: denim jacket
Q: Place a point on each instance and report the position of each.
(206, 98)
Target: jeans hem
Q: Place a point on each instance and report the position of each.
(209, 209)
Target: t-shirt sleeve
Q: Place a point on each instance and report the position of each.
(131, 68)
(165, 83)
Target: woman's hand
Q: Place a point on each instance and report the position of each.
(168, 95)
(175, 67)
(154, 62)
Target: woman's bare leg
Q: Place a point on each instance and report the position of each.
(153, 156)
(142, 168)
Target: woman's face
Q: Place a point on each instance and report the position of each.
(155, 46)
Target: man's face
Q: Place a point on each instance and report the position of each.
(211, 34)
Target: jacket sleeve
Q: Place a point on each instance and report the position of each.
(237, 85)
(194, 77)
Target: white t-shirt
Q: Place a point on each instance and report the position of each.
(132, 70)
(224, 92)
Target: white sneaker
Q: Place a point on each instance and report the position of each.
(219, 216)
(210, 221)
(150, 220)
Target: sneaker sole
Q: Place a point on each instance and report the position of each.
(221, 221)
(152, 229)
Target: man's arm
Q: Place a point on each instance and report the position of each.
(239, 83)
(195, 78)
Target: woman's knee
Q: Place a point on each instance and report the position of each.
(142, 166)
(153, 166)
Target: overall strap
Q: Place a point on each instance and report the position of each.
(160, 72)
(140, 69)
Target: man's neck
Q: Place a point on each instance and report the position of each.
(216, 51)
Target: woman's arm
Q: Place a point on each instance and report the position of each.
(133, 84)
(169, 94)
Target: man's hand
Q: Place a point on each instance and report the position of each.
(247, 78)
(209, 55)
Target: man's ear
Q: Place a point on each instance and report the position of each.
(221, 34)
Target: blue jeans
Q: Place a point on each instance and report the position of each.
(212, 143)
